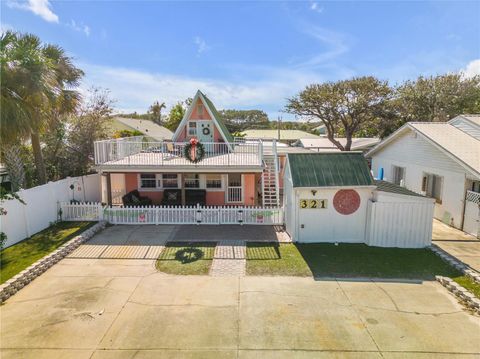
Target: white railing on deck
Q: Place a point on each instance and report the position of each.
(139, 151)
(173, 214)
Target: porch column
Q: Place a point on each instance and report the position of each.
(182, 187)
(109, 189)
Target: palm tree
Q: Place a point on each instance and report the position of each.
(38, 83)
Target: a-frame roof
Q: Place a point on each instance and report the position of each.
(216, 118)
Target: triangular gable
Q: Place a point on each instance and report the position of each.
(214, 115)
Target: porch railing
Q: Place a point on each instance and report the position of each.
(234, 194)
(173, 214)
(140, 151)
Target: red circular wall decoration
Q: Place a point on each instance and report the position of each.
(346, 201)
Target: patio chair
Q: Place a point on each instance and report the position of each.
(172, 197)
(134, 198)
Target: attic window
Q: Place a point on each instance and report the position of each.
(200, 110)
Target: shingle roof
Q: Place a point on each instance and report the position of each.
(329, 169)
(286, 135)
(325, 143)
(462, 146)
(147, 127)
(385, 186)
(218, 117)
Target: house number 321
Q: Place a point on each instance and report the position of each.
(313, 203)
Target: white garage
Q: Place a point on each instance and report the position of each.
(332, 197)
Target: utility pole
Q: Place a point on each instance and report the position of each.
(279, 125)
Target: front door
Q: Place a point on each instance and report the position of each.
(235, 188)
(205, 131)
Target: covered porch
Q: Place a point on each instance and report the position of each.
(181, 189)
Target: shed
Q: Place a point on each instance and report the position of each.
(332, 197)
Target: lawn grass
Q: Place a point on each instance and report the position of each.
(186, 258)
(275, 259)
(16, 258)
(345, 261)
(469, 284)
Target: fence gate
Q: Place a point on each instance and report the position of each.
(471, 220)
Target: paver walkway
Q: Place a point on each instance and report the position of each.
(229, 259)
(457, 243)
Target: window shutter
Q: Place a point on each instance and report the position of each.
(424, 184)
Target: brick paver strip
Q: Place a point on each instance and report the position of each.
(125, 252)
(228, 268)
(229, 259)
(154, 252)
(88, 251)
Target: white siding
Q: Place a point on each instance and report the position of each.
(418, 157)
(327, 225)
(400, 224)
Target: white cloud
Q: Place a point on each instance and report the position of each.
(135, 90)
(6, 27)
(315, 7)
(201, 45)
(472, 69)
(38, 7)
(334, 42)
(79, 27)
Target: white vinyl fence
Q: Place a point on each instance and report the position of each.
(173, 214)
(399, 224)
(41, 205)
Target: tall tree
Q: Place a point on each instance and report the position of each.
(155, 112)
(346, 106)
(438, 98)
(38, 81)
(240, 120)
(175, 116)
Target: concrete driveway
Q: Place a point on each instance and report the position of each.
(104, 308)
(147, 241)
(457, 243)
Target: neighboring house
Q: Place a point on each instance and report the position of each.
(285, 136)
(325, 145)
(321, 130)
(440, 160)
(231, 173)
(5, 178)
(149, 128)
(332, 197)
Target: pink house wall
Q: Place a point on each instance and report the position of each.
(217, 137)
(214, 198)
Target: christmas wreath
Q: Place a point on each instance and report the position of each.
(194, 151)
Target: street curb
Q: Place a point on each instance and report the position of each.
(456, 263)
(460, 292)
(14, 284)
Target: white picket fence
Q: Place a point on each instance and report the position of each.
(173, 214)
(84, 211)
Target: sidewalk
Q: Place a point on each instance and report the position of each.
(457, 243)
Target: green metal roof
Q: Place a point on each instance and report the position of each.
(217, 116)
(329, 169)
(385, 186)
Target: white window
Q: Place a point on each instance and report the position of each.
(398, 175)
(214, 181)
(192, 180)
(170, 180)
(432, 186)
(192, 128)
(148, 180)
(234, 180)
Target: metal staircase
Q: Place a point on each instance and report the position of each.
(270, 185)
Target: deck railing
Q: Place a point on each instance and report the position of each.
(138, 150)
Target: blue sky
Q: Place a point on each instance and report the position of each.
(249, 54)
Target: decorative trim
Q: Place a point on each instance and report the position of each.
(13, 285)
(460, 292)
